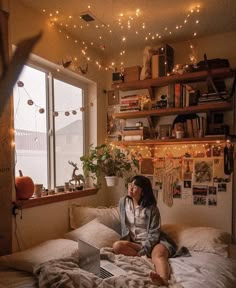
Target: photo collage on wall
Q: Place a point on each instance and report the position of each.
(196, 179)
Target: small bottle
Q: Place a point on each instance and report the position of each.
(66, 187)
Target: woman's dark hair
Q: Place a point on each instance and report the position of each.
(147, 197)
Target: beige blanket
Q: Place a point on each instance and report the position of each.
(67, 274)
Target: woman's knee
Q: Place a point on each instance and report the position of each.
(160, 251)
(118, 247)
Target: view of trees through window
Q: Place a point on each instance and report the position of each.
(47, 137)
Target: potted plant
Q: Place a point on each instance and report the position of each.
(111, 162)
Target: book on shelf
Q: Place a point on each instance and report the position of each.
(215, 135)
(133, 96)
(171, 95)
(132, 137)
(129, 102)
(128, 128)
(195, 127)
(178, 91)
(214, 93)
(113, 137)
(129, 109)
(189, 128)
(126, 106)
(155, 66)
(143, 132)
(200, 101)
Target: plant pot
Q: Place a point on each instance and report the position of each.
(112, 180)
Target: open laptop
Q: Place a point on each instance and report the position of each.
(89, 260)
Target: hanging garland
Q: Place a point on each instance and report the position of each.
(41, 110)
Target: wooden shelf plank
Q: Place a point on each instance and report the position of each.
(170, 141)
(213, 106)
(62, 196)
(163, 81)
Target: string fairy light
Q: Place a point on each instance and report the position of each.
(131, 22)
(182, 151)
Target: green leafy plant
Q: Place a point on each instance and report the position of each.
(105, 160)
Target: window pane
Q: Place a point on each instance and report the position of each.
(68, 130)
(31, 125)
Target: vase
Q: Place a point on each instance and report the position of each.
(112, 180)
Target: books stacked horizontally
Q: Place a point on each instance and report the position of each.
(129, 103)
(212, 97)
(135, 133)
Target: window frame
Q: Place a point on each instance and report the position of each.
(53, 71)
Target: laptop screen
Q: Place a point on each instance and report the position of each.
(89, 260)
(89, 257)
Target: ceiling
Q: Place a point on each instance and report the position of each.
(156, 21)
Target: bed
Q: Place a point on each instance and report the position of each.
(54, 263)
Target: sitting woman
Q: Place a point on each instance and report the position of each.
(141, 229)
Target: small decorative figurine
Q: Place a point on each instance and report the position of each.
(77, 179)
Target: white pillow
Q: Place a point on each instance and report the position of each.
(204, 239)
(80, 215)
(48, 250)
(94, 233)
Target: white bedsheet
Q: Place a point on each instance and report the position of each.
(204, 270)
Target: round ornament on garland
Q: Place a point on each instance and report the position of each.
(24, 187)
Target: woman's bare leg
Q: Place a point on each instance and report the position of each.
(160, 260)
(126, 248)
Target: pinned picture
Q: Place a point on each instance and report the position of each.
(212, 201)
(187, 169)
(203, 172)
(187, 184)
(222, 187)
(177, 191)
(200, 194)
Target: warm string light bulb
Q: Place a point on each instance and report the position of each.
(125, 20)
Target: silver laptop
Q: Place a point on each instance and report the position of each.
(89, 260)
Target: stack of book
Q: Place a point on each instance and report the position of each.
(132, 133)
(212, 97)
(129, 103)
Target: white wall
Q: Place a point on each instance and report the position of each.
(37, 224)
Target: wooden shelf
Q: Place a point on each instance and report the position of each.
(62, 196)
(163, 81)
(217, 106)
(169, 141)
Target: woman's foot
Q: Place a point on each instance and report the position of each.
(157, 279)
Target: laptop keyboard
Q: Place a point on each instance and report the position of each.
(104, 273)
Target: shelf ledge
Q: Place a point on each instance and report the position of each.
(172, 141)
(44, 200)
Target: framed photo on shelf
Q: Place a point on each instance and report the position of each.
(113, 97)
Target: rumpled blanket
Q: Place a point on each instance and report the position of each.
(66, 273)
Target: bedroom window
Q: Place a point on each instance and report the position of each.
(49, 126)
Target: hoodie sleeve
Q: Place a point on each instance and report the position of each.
(154, 231)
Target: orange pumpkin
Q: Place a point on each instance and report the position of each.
(24, 187)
